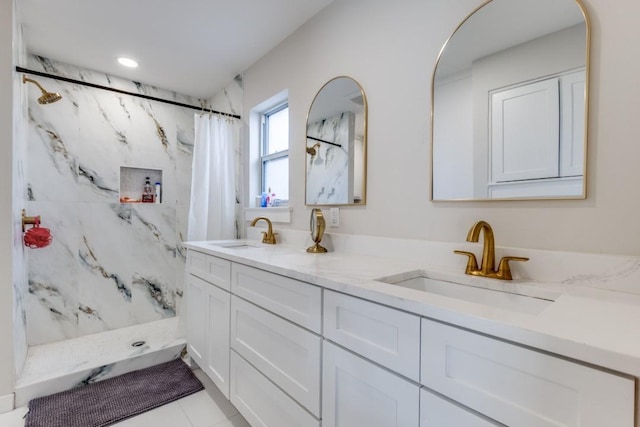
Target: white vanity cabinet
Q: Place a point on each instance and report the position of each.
(212, 269)
(284, 352)
(438, 411)
(518, 386)
(384, 335)
(291, 299)
(208, 311)
(276, 344)
(260, 402)
(355, 391)
(288, 353)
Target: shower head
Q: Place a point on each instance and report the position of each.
(312, 150)
(47, 97)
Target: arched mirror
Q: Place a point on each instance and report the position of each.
(510, 104)
(336, 151)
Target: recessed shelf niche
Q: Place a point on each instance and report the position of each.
(132, 183)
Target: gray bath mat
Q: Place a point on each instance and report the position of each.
(106, 402)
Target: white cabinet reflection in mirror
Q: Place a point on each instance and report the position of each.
(503, 52)
(537, 138)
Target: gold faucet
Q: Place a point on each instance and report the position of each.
(268, 236)
(488, 265)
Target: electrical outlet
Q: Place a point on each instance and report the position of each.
(334, 217)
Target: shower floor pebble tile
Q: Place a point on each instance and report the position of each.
(207, 408)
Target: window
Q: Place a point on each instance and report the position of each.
(274, 152)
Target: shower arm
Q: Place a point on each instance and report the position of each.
(27, 79)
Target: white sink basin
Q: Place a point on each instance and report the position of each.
(495, 298)
(235, 244)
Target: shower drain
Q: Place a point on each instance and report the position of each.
(138, 344)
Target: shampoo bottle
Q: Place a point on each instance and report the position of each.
(158, 192)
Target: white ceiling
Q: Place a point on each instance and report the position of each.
(193, 47)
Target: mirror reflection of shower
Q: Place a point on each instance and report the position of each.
(314, 151)
(47, 97)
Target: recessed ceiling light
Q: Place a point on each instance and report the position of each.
(127, 62)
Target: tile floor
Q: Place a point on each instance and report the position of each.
(207, 408)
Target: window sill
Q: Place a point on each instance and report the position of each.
(278, 214)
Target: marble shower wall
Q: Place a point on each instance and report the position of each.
(330, 171)
(110, 265)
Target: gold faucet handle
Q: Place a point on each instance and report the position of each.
(504, 271)
(269, 238)
(472, 263)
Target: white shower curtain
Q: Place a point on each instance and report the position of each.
(212, 213)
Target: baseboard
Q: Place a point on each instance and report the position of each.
(6, 403)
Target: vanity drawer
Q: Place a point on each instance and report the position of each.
(292, 299)
(213, 270)
(260, 402)
(285, 353)
(387, 336)
(517, 386)
(436, 411)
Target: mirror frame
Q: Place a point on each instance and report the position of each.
(582, 196)
(365, 143)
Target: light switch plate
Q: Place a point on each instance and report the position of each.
(334, 217)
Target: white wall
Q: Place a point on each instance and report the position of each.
(390, 48)
(19, 265)
(453, 128)
(6, 214)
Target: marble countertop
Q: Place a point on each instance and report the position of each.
(595, 326)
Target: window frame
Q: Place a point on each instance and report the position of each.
(264, 142)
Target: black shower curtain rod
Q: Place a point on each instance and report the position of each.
(322, 140)
(139, 95)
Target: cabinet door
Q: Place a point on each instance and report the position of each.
(436, 411)
(216, 365)
(196, 318)
(572, 92)
(285, 353)
(521, 387)
(356, 392)
(525, 132)
(260, 402)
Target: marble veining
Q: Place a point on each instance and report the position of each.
(159, 293)
(94, 180)
(95, 375)
(626, 270)
(110, 265)
(90, 260)
(329, 171)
